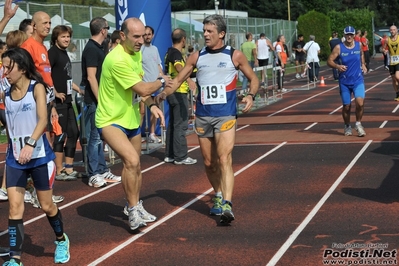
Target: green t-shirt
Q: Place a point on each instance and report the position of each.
(117, 102)
(247, 48)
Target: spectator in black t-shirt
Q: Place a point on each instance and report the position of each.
(300, 55)
(61, 73)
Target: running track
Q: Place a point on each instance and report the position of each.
(300, 187)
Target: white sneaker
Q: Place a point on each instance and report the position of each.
(153, 139)
(360, 131)
(135, 219)
(146, 216)
(187, 161)
(97, 181)
(297, 76)
(27, 197)
(3, 194)
(284, 90)
(110, 177)
(168, 160)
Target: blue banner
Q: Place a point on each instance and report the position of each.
(154, 13)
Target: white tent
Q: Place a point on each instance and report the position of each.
(57, 20)
(14, 22)
(109, 17)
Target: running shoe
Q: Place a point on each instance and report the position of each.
(61, 254)
(110, 177)
(65, 177)
(360, 131)
(135, 220)
(187, 161)
(168, 160)
(298, 76)
(227, 215)
(153, 139)
(27, 197)
(97, 181)
(348, 130)
(147, 217)
(217, 206)
(58, 199)
(3, 194)
(12, 262)
(397, 97)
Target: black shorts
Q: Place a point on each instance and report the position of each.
(393, 69)
(263, 62)
(300, 58)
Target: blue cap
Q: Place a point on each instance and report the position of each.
(349, 30)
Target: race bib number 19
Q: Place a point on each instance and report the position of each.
(18, 142)
(213, 94)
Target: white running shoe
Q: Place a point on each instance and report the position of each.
(187, 161)
(153, 139)
(360, 131)
(27, 197)
(110, 177)
(3, 194)
(298, 76)
(97, 181)
(348, 130)
(135, 220)
(146, 216)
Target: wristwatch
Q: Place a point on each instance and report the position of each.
(162, 81)
(253, 96)
(31, 142)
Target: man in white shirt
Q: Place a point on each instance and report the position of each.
(312, 49)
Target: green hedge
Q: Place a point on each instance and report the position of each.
(321, 25)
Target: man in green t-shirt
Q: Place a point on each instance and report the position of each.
(118, 117)
(249, 50)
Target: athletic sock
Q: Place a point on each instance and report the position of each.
(57, 224)
(16, 236)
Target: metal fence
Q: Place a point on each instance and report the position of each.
(237, 27)
(78, 17)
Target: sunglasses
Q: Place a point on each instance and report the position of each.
(106, 28)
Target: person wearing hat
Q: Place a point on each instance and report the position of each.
(351, 69)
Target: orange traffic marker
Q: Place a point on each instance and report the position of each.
(322, 84)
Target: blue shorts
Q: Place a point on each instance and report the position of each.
(43, 176)
(130, 133)
(346, 91)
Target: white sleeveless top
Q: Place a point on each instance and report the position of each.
(263, 49)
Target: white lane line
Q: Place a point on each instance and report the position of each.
(314, 96)
(396, 108)
(366, 91)
(314, 211)
(312, 125)
(383, 124)
(174, 213)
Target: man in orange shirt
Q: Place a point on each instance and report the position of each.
(34, 45)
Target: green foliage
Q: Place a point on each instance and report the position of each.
(317, 24)
(360, 19)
